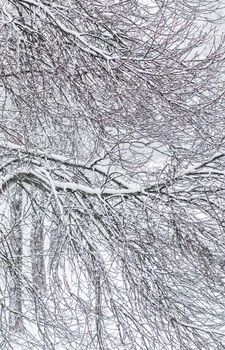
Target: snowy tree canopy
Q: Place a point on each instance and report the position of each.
(112, 172)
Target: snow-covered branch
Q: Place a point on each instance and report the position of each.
(39, 180)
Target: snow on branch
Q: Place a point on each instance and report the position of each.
(42, 182)
(124, 188)
(61, 159)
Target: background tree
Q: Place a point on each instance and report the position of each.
(111, 119)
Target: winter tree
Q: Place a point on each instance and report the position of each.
(112, 171)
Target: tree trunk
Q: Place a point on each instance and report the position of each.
(37, 252)
(16, 251)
